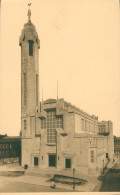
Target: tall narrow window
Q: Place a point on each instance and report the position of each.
(82, 124)
(25, 89)
(92, 156)
(85, 125)
(30, 47)
(89, 126)
(36, 90)
(25, 125)
(51, 135)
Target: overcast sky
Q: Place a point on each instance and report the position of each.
(79, 47)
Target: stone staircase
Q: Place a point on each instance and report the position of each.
(107, 163)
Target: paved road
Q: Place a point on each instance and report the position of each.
(111, 182)
(9, 184)
(22, 187)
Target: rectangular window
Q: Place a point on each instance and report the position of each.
(25, 89)
(92, 127)
(102, 128)
(30, 47)
(85, 125)
(43, 123)
(96, 128)
(36, 90)
(92, 156)
(89, 126)
(106, 155)
(58, 122)
(67, 163)
(51, 123)
(99, 128)
(82, 124)
(51, 135)
(25, 125)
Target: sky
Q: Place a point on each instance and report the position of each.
(79, 47)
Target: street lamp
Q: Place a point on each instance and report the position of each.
(103, 166)
(73, 178)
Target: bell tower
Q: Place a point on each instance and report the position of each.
(30, 44)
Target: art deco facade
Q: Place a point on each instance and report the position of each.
(54, 132)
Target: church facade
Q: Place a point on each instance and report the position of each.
(54, 132)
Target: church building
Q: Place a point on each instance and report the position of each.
(54, 132)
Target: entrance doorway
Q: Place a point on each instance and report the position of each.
(35, 161)
(67, 163)
(106, 155)
(52, 160)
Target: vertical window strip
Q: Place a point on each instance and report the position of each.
(92, 156)
(85, 125)
(51, 135)
(36, 90)
(25, 89)
(82, 124)
(25, 125)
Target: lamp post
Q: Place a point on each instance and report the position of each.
(56, 148)
(103, 166)
(73, 178)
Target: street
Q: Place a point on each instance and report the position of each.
(30, 183)
(10, 185)
(22, 187)
(111, 182)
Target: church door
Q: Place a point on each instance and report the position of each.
(35, 161)
(52, 160)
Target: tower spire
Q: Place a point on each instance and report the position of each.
(29, 13)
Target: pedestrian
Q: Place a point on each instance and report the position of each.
(53, 184)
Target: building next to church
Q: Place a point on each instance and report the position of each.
(10, 149)
(117, 146)
(54, 132)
